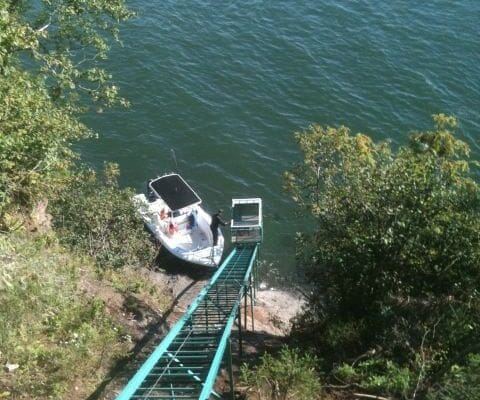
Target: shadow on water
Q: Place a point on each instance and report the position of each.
(171, 265)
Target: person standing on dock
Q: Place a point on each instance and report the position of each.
(216, 221)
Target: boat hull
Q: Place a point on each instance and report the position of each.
(187, 235)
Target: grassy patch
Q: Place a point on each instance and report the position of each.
(288, 376)
(137, 283)
(55, 335)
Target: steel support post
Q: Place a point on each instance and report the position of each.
(255, 280)
(240, 341)
(250, 291)
(245, 309)
(230, 369)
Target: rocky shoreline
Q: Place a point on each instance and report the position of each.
(273, 310)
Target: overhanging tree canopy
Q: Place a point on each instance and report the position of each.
(50, 71)
(394, 256)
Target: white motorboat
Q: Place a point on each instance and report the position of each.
(173, 214)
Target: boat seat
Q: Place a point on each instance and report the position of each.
(182, 223)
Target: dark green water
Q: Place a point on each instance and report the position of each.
(226, 83)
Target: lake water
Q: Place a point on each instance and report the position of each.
(226, 83)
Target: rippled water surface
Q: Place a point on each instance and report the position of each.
(226, 83)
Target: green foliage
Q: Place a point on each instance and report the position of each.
(133, 282)
(395, 250)
(50, 71)
(64, 42)
(460, 383)
(49, 329)
(35, 140)
(61, 43)
(96, 217)
(15, 36)
(377, 376)
(288, 376)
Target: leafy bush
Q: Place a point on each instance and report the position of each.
(286, 377)
(460, 382)
(47, 327)
(50, 72)
(35, 138)
(394, 254)
(378, 376)
(96, 217)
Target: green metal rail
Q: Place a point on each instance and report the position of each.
(186, 363)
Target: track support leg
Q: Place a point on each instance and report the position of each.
(230, 369)
(240, 339)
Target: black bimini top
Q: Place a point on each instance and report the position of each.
(174, 191)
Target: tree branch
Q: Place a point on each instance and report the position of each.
(371, 396)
